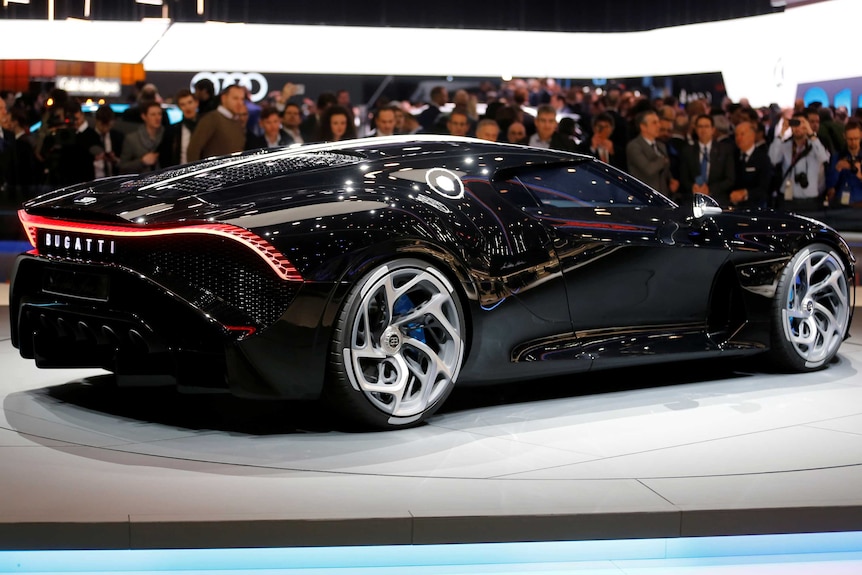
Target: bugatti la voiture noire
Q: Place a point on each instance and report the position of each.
(376, 274)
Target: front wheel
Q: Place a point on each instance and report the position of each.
(398, 346)
(811, 311)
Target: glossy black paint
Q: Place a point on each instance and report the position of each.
(548, 287)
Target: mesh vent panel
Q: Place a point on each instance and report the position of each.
(226, 172)
(222, 277)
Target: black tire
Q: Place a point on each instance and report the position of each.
(398, 346)
(811, 310)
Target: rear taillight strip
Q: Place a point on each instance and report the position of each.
(257, 244)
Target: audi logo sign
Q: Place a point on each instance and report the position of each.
(256, 83)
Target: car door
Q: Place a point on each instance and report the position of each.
(631, 259)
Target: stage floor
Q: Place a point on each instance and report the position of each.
(713, 449)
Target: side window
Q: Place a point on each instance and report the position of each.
(514, 192)
(584, 185)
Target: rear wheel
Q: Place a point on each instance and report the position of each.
(811, 310)
(398, 346)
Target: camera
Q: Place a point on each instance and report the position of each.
(801, 179)
(854, 168)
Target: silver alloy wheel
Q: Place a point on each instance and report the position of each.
(406, 340)
(817, 308)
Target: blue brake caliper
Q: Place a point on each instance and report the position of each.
(402, 306)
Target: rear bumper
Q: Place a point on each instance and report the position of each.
(146, 333)
(136, 328)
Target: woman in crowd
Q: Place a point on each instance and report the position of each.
(336, 124)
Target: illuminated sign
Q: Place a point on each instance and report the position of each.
(87, 86)
(255, 83)
(836, 93)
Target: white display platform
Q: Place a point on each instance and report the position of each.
(713, 449)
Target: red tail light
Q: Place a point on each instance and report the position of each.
(257, 244)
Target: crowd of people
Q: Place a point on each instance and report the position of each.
(802, 158)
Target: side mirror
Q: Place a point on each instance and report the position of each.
(703, 205)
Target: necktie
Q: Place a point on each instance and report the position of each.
(704, 163)
(603, 155)
(106, 143)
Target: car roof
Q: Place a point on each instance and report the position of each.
(244, 166)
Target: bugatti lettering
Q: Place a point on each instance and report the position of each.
(80, 244)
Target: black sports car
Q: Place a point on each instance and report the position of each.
(374, 274)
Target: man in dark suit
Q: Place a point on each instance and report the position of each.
(753, 169)
(273, 136)
(599, 143)
(105, 143)
(175, 141)
(310, 125)
(620, 135)
(713, 174)
(647, 157)
(428, 117)
(291, 121)
(66, 147)
(24, 172)
(205, 94)
(384, 121)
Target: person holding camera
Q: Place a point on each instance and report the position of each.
(799, 158)
(844, 176)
